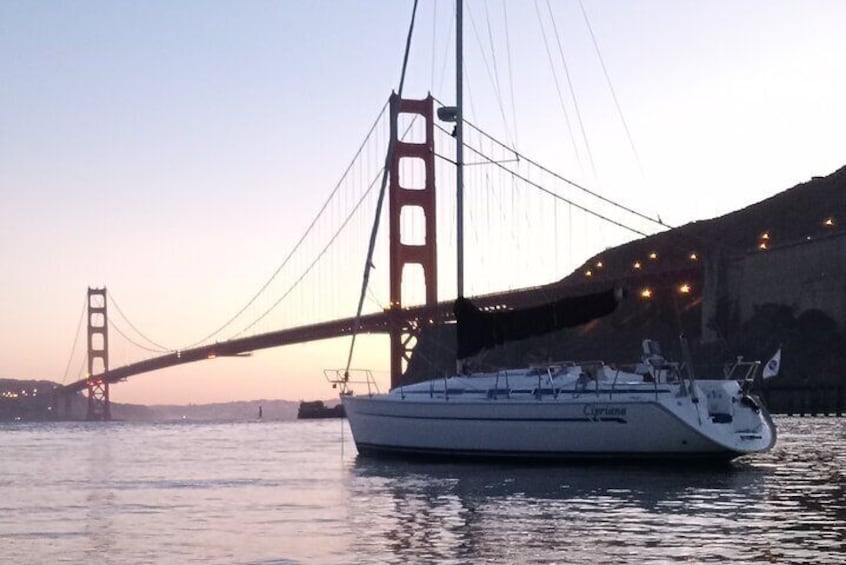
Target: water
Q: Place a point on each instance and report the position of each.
(285, 492)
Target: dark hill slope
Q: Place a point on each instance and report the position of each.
(698, 255)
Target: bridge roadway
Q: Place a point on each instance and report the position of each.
(380, 323)
(371, 323)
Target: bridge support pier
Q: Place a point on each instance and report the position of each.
(420, 197)
(99, 407)
(61, 407)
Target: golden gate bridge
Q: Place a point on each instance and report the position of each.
(527, 223)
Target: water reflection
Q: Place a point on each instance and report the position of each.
(285, 493)
(780, 507)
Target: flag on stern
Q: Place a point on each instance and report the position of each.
(772, 366)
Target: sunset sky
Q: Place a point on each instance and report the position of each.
(176, 151)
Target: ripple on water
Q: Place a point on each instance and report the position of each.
(288, 493)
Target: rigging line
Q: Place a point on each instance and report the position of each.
(558, 90)
(492, 76)
(434, 42)
(611, 87)
(555, 195)
(162, 348)
(302, 238)
(375, 299)
(76, 338)
(388, 159)
(314, 262)
(510, 76)
(446, 53)
(568, 181)
(132, 341)
(572, 90)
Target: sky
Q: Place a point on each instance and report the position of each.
(175, 152)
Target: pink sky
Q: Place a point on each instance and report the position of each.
(176, 152)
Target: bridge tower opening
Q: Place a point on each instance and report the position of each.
(418, 197)
(98, 356)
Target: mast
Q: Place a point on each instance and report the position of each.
(459, 147)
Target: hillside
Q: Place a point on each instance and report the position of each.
(32, 400)
(769, 274)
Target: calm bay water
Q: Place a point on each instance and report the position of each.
(288, 492)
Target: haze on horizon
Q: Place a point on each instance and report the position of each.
(175, 152)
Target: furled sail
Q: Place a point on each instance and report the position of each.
(479, 330)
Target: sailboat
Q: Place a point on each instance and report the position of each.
(656, 409)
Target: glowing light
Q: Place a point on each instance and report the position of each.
(765, 235)
(693, 256)
(599, 264)
(829, 222)
(762, 245)
(636, 265)
(684, 288)
(646, 293)
(588, 273)
(653, 255)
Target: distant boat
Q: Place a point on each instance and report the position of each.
(317, 409)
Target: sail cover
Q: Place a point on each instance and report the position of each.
(479, 330)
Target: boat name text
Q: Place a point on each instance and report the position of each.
(599, 411)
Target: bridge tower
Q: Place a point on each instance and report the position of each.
(404, 195)
(98, 355)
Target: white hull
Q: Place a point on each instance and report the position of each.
(606, 420)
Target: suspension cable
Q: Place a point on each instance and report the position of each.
(574, 184)
(162, 348)
(302, 238)
(115, 327)
(327, 246)
(75, 339)
(315, 261)
(546, 190)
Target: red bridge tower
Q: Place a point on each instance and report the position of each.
(403, 195)
(98, 355)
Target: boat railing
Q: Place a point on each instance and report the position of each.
(556, 366)
(551, 379)
(740, 370)
(343, 379)
(495, 392)
(590, 372)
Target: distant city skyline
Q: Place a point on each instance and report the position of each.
(174, 153)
